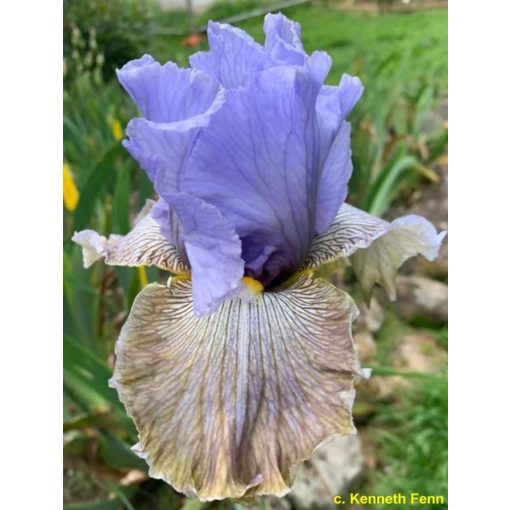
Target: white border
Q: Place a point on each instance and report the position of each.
(479, 267)
(31, 95)
(31, 254)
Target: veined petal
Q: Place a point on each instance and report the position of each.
(227, 406)
(376, 247)
(213, 249)
(320, 64)
(335, 103)
(161, 148)
(174, 103)
(166, 93)
(93, 246)
(278, 27)
(283, 45)
(257, 163)
(283, 39)
(335, 176)
(162, 215)
(233, 56)
(406, 237)
(144, 245)
(333, 106)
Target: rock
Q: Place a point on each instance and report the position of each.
(414, 351)
(370, 319)
(370, 449)
(332, 469)
(365, 345)
(419, 297)
(381, 388)
(419, 352)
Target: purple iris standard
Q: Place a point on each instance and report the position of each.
(243, 363)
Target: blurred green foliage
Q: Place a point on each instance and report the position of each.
(103, 34)
(225, 9)
(402, 62)
(412, 437)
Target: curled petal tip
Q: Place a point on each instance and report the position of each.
(367, 372)
(436, 245)
(214, 251)
(144, 245)
(376, 248)
(93, 246)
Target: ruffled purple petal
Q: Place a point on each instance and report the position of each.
(283, 45)
(257, 162)
(175, 103)
(233, 55)
(167, 93)
(213, 249)
(283, 39)
(320, 64)
(161, 214)
(350, 91)
(264, 147)
(335, 176)
(333, 105)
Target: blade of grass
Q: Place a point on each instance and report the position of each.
(94, 186)
(390, 371)
(121, 198)
(84, 367)
(193, 504)
(438, 145)
(386, 185)
(117, 454)
(83, 300)
(422, 108)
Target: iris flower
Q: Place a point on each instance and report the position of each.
(243, 363)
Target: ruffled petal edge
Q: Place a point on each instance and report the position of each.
(144, 245)
(376, 248)
(227, 406)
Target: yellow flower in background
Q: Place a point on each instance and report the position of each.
(116, 128)
(71, 195)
